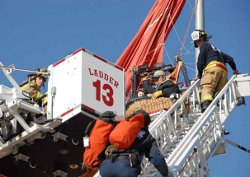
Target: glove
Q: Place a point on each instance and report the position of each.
(157, 94)
(236, 71)
(145, 76)
(174, 96)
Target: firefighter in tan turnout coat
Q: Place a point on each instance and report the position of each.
(33, 86)
(211, 67)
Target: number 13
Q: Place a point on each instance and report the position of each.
(108, 98)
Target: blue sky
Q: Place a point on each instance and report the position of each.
(35, 33)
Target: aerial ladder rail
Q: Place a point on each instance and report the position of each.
(194, 145)
(208, 130)
(171, 126)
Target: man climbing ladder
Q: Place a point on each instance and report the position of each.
(211, 67)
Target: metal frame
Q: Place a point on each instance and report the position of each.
(189, 138)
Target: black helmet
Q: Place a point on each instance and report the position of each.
(108, 116)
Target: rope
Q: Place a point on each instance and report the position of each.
(188, 27)
(237, 145)
(167, 54)
(182, 42)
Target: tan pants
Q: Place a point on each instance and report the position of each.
(212, 82)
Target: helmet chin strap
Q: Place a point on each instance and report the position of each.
(203, 39)
(195, 44)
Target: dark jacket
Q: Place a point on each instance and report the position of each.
(146, 145)
(168, 87)
(208, 53)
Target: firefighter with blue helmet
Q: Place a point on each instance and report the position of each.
(211, 66)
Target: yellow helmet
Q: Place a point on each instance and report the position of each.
(40, 72)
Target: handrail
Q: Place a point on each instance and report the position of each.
(205, 134)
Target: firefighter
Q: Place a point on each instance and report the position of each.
(141, 93)
(126, 162)
(34, 84)
(163, 86)
(211, 66)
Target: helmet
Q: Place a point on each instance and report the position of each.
(199, 35)
(40, 72)
(159, 73)
(108, 116)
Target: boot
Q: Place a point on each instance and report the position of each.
(205, 105)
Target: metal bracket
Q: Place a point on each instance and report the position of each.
(25, 158)
(59, 135)
(60, 173)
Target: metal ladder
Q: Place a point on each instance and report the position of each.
(187, 137)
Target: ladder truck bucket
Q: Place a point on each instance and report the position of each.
(84, 83)
(242, 85)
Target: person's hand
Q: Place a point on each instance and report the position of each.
(156, 94)
(145, 76)
(236, 71)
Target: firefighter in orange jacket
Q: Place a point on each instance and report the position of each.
(211, 67)
(126, 162)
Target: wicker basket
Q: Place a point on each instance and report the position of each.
(149, 105)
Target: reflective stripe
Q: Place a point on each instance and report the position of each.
(206, 98)
(216, 64)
